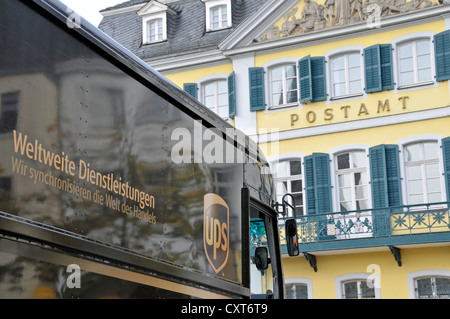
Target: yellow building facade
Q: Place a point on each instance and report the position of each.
(351, 102)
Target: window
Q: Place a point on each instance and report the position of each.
(154, 21)
(358, 286)
(289, 179)
(283, 85)
(298, 288)
(9, 109)
(429, 283)
(422, 172)
(357, 289)
(215, 97)
(296, 291)
(352, 178)
(218, 14)
(154, 31)
(414, 62)
(432, 288)
(219, 17)
(346, 74)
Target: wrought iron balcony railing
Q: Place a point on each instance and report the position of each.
(411, 224)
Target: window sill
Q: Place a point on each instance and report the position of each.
(347, 96)
(414, 85)
(219, 29)
(282, 106)
(154, 42)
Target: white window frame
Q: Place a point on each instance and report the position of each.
(202, 82)
(291, 157)
(329, 56)
(395, 62)
(413, 276)
(209, 6)
(222, 20)
(153, 11)
(341, 280)
(268, 85)
(334, 178)
(301, 281)
(158, 36)
(418, 139)
(284, 86)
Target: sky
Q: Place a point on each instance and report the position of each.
(89, 9)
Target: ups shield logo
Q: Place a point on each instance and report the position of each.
(216, 234)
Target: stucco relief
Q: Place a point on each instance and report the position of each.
(315, 17)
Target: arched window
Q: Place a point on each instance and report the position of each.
(289, 180)
(352, 180)
(414, 62)
(422, 170)
(429, 284)
(283, 85)
(346, 74)
(432, 287)
(215, 96)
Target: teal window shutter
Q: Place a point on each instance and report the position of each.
(378, 69)
(318, 79)
(446, 153)
(386, 186)
(318, 184)
(257, 93)
(385, 176)
(305, 79)
(231, 95)
(309, 185)
(393, 175)
(442, 55)
(191, 88)
(378, 176)
(387, 76)
(372, 68)
(323, 183)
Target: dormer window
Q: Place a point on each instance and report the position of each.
(218, 14)
(219, 17)
(155, 31)
(154, 22)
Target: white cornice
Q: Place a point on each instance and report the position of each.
(177, 62)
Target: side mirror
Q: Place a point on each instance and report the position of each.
(261, 258)
(291, 237)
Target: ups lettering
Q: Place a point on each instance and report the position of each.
(216, 235)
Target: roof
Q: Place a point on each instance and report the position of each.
(186, 30)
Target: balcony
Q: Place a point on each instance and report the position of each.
(393, 226)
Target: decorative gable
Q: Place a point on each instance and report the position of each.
(308, 15)
(154, 21)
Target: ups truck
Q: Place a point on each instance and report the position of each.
(116, 183)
